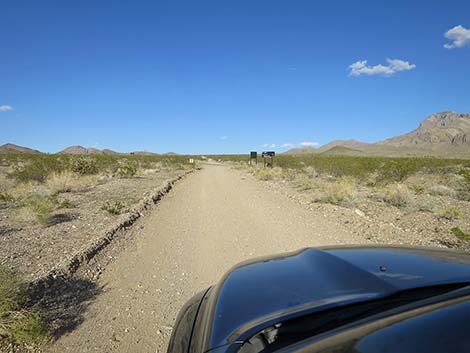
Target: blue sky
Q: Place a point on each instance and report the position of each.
(226, 76)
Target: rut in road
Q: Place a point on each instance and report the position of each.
(210, 221)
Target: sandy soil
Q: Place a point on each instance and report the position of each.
(210, 221)
(35, 250)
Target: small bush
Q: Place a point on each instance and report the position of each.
(126, 170)
(442, 190)
(310, 172)
(18, 323)
(304, 182)
(418, 189)
(397, 195)
(450, 213)
(41, 205)
(268, 173)
(64, 203)
(5, 197)
(459, 233)
(67, 181)
(37, 169)
(341, 192)
(113, 207)
(426, 207)
(84, 166)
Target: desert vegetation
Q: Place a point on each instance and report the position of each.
(20, 322)
(428, 195)
(54, 206)
(32, 185)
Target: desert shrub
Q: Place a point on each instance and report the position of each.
(304, 182)
(64, 203)
(84, 166)
(310, 172)
(41, 205)
(418, 189)
(126, 170)
(375, 170)
(450, 213)
(113, 208)
(426, 207)
(442, 190)
(464, 187)
(5, 197)
(68, 181)
(342, 192)
(289, 174)
(60, 182)
(18, 323)
(24, 190)
(459, 233)
(268, 173)
(36, 169)
(396, 194)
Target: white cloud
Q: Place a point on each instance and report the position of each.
(269, 145)
(5, 108)
(288, 145)
(308, 144)
(459, 35)
(223, 137)
(394, 65)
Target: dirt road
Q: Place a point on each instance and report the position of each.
(209, 222)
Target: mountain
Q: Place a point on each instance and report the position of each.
(108, 151)
(342, 151)
(80, 150)
(11, 148)
(347, 144)
(446, 129)
(445, 134)
(302, 150)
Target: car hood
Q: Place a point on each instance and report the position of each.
(261, 291)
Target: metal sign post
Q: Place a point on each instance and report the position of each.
(268, 158)
(253, 156)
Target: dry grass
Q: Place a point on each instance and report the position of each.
(23, 190)
(396, 194)
(304, 182)
(18, 323)
(450, 213)
(342, 192)
(68, 181)
(268, 173)
(459, 233)
(442, 190)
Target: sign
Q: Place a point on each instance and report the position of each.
(253, 155)
(268, 154)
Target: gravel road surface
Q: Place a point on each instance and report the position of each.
(210, 221)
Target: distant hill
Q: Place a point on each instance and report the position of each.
(12, 148)
(444, 129)
(80, 150)
(341, 151)
(302, 150)
(348, 144)
(144, 153)
(445, 134)
(108, 151)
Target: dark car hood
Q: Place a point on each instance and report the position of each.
(262, 291)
